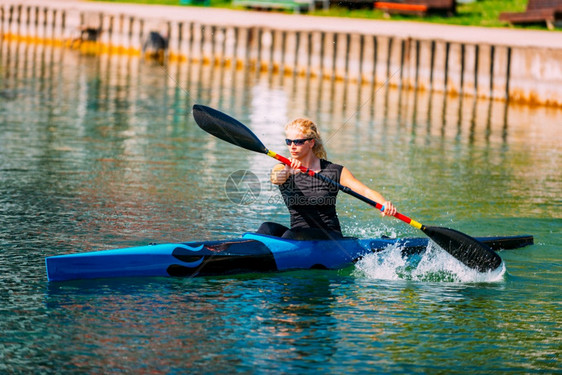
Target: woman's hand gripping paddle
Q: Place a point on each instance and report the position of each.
(466, 249)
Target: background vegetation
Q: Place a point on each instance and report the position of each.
(475, 13)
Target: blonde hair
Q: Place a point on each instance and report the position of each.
(310, 130)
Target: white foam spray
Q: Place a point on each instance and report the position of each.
(433, 265)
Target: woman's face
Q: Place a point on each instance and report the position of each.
(298, 151)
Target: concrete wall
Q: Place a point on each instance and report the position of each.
(530, 75)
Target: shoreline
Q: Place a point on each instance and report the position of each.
(506, 64)
(397, 28)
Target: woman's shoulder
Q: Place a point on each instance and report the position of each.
(328, 165)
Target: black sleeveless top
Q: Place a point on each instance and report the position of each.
(312, 202)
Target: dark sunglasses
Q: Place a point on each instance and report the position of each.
(297, 142)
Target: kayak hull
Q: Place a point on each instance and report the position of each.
(250, 253)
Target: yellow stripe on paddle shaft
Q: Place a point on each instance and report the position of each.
(415, 224)
(271, 153)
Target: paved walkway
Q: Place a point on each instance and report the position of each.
(418, 30)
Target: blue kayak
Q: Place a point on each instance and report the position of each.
(250, 253)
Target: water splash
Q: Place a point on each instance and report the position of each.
(433, 265)
(357, 228)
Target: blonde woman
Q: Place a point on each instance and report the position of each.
(312, 202)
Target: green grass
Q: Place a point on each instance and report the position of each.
(478, 13)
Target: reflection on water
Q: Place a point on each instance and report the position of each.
(101, 151)
(115, 133)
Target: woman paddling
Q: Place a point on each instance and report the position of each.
(312, 202)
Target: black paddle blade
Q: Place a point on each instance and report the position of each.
(226, 128)
(466, 249)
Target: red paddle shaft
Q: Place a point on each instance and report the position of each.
(345, 189)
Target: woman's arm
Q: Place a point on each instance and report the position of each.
(347, 179)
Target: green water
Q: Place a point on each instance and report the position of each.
(101, 152)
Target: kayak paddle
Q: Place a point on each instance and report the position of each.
(466, 249)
